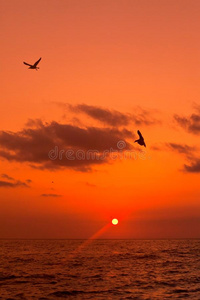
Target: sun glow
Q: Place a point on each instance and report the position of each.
(114, 221)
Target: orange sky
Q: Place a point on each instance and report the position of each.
(103, 62)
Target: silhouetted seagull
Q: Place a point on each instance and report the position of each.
(140, 141)
(34, 66)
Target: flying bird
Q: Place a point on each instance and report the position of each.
(140, 141)
(34, 66)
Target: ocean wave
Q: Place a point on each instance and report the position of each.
(104, 270)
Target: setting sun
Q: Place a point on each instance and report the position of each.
(114, 221)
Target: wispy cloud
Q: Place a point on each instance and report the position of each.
(181, 148)
(190, 155)
(193, 167)
(28, 180)
(106, 116)
(13, 184)
(188, 152)
(113, 117)
(51, 195)
(190, 123)
(7, 177)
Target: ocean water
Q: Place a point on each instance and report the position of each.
(100, 269)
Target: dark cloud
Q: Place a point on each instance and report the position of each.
(194, 166)
(113, 117)
(189, 153)
(51, 195)
(145, 117)
(48, 145)
(13, 184)
(190, 123)
(28, 180)
(156, 148)
(7, 177)
(34, 123)
(180, 148)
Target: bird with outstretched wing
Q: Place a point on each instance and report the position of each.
(34, 66)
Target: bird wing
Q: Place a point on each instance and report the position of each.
(37, 62)
(140, 135)
(27, 64)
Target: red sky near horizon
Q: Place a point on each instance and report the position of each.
(108, 68)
